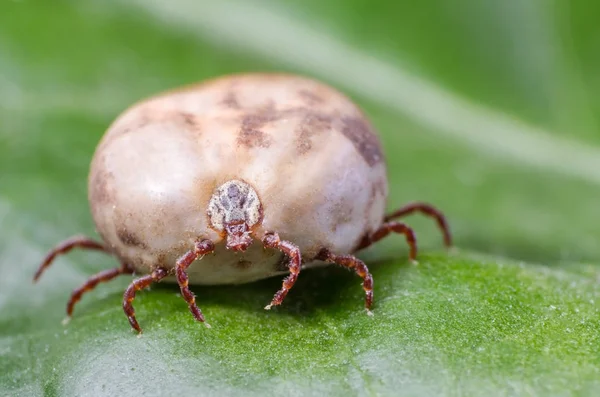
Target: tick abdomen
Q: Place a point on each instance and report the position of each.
(308, 152)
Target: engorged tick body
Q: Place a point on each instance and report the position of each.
(272, 173)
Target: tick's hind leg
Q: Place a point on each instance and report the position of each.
(428, 210)
(387, 228)
(141, 283)
(272, 240)
(358, 266)
(66, 246)
(92, 282)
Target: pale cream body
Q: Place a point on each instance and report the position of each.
(306, 149)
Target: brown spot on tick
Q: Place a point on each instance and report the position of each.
(304, 144)
(310, 98)
(251, 134)
(363, 138)
(129, 238)
(230, 101)
(341, 213)
(99, 186)
(131, 124)
(378, 190)
(312, 124)
(152, 118)
(189, 120)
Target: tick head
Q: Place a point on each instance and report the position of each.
(233, 210)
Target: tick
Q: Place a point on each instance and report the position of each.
(272, 173)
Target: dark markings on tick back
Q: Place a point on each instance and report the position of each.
(310, 98)
(129, 239)
(189, 120)
(251, 134)
(251, 137)
(356, 129)
(230, 101)
(151, 116)
(313, 123)
(341, 213)
(363, 138)
(99, 187)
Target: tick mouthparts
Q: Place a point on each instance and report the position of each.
(238, 236)
(239, 243)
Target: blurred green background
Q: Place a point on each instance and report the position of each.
(488, 109)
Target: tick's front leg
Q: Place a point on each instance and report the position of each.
(272, 240)
(141, 283)
(201, 248)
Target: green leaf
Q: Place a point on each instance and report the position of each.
(490, 110)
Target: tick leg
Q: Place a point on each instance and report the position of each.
(66, 246)
(141, 283)
(428, 210)
(358, 266)
(201, 248)
(387, 228)
(93, 281)
(272, 240)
